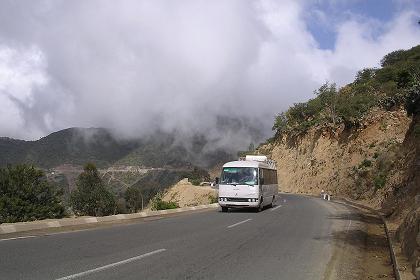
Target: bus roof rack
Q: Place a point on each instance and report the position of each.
(270, 162)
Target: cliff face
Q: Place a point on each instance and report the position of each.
(407, 198)
(377, 164)
(358, 163)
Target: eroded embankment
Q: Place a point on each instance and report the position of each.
(377, 164)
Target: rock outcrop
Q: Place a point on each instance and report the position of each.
(377, 164)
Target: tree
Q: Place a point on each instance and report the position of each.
(91, 197)
(392, 58)
(25, 195)
(280, 124)
(134, 199)
(327, 95)
(412, 104)
(365, 75)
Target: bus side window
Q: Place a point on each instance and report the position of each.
(270, 177)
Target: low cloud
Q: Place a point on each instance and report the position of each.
(141, 66)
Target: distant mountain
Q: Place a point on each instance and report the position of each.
(80, 145)
(72, 145)
(163, 155)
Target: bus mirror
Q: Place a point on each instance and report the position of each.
(261, 181)
(216, 180)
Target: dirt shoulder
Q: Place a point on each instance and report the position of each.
(360, 246)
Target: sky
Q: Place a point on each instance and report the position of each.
(137, 66)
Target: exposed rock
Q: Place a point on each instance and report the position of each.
(377, 164)
(186, 194)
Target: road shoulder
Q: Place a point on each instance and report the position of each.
(360, 245)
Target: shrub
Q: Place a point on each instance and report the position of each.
(213, 199)
(158, 204)
(195, 181)
(134, 199)
(365, 163)
(379, 181)
(412, 104)
(25, 195)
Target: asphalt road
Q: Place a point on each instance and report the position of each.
(293, 240)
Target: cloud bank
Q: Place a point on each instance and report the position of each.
(140, 66)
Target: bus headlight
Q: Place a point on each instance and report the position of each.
(249, 200)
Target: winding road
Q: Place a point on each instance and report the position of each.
(296, 239)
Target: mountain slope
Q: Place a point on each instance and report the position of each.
(77, 146)
(361, 142)
(71, 146)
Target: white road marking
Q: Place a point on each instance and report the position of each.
(20, 237)
(275, 208)
(348, 226)
(101, 268)
(234, 225)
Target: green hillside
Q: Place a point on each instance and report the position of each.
(394, 84)
(77, 146)
(73, 146)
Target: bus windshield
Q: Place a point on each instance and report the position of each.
(239, 176)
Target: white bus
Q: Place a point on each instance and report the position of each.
(249, 182)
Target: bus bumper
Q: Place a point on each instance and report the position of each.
(236, 204)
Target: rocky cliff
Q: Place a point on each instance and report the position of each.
(340, 161)
(377, 164)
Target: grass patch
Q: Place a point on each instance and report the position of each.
(379, 181)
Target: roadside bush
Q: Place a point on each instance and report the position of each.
(158, 204)
(213, 199)
(133, 198)
(195, 182)
(91, 197)
(25, 195)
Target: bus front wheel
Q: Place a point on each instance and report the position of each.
(259, 208)
(224, 209)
